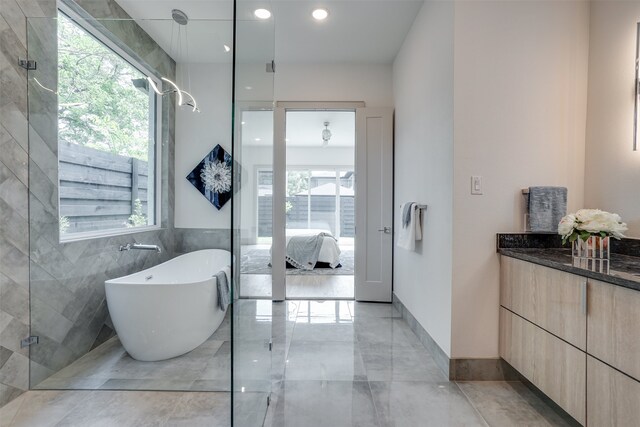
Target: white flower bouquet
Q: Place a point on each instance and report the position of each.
(587, 223)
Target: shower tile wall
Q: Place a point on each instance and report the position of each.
(68, 305)
(14, 211)
(194, 239)
(69, 311)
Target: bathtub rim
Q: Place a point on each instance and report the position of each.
(119, 280)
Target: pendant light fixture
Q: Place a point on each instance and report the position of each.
(184, 97)
(326, 134)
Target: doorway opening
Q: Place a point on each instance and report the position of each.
(320, 204)
(319, 197)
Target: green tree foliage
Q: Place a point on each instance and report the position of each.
(137, 218)
(297, 182)
(99, 107)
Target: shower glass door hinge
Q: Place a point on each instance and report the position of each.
(270, 345)
(26, 342)
(271, 67)
(269, 400)
(27, 64)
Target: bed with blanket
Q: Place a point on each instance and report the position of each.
(311, 248)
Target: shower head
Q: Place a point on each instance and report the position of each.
(179, 16)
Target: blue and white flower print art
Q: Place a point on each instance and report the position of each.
(212, 177)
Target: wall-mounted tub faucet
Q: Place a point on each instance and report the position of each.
(140, 247)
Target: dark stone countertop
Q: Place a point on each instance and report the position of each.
(624, 271)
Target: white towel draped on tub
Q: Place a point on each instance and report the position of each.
(411, 229)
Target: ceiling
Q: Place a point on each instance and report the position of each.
(356, 31)
(303, 128)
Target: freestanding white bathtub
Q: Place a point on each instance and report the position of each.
(169, 309)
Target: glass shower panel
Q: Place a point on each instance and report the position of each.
(124, 127)
(252, 217)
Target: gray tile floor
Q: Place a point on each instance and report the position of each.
(359, 364)
(300, 287)
(334, 363)
(109, 367)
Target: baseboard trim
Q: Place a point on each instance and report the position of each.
(481, 370)
(457, 369)
(440, 357)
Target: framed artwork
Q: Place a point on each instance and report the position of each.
(212, 177)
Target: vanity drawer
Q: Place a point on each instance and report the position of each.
(614, 326)
(558, 369)
(613, 399)
(552, 299)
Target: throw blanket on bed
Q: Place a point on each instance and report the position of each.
(303, 251)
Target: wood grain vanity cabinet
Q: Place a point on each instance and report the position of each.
(613, 398)
(577, 340)
(614, 326)
(552, 299)
(554, 366)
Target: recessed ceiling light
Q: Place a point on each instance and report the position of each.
(262, 13)
(320, 14)
(226, 48)
(242, 123)
(258, 140)
(248, 87)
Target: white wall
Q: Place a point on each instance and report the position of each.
(196, 135)
(423, 88)
(371, 83)
(520, 118)
(612, 175)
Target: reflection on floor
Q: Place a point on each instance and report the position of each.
(339, 363)
(334, 364)
(320, 287)
(109, 367)
(299, 287)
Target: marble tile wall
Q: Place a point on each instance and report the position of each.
(14, 195)
(62, 283)
(194, 239)
(68, 306)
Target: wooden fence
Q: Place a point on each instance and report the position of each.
(98, 190)
(323, 215)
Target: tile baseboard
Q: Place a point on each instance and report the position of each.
(441, 358)
(457, 369)
(481, 370)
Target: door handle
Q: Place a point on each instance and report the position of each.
(385, 230)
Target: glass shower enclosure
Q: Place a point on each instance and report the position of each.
(110, 156)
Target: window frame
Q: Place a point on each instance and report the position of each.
(156, 100)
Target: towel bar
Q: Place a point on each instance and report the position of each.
(423, 207)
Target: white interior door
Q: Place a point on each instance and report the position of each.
(374, 204)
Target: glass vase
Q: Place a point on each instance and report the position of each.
(591, 254)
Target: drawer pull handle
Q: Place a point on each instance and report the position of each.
(583, 298)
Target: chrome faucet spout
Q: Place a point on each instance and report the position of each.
(140, 247)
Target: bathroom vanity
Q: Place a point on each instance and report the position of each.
(573, 333)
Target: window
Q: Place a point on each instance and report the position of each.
(107, 136)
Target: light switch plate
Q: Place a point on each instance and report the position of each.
(476, 185)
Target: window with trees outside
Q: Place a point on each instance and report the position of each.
(107, 132)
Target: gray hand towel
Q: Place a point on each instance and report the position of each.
(406, 214)
(224, 296)
(547, 206)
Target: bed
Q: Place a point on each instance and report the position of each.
(329, 256)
